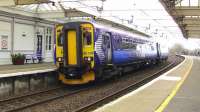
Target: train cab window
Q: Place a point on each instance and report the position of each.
(87, 39)
(60, 40)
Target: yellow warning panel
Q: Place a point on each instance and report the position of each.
(71, 45)
(86, 78)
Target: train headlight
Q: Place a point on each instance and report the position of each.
(85, 58)
(71, 75)
(89, 59)
(59, 59)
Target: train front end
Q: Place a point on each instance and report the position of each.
(75, 52)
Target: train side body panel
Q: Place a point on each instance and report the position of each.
(138, 51)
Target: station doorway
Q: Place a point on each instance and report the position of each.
(39, 47)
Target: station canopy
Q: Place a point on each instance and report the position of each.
(147, 16)
(187, 14)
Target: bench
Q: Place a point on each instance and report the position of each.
(31, 57)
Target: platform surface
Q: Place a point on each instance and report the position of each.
(15, 70)
(187, 98)
(155, 95)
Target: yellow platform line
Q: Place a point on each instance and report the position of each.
(174, 91)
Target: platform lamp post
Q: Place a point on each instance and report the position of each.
(100, 9)
(162, 35)
(53, 3)
(166, 37)
(131, 20)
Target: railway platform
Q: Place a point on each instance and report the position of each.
(175, 91)
(20, 79)
(17, 70)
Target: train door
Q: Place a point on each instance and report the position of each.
(107, 47)
(142, 50)
(71, 45)
(139, 50)
(158, 50)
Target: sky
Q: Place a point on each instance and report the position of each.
(148, 16)
(150, 13)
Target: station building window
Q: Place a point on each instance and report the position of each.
(48, 38)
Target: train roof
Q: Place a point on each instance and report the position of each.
(116, 30)
(120, 31)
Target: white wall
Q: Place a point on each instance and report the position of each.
(5, 31)
(23, 37)
(5, 58)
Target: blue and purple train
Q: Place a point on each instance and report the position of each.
(87, 51)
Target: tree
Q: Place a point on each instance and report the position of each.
(178, 49)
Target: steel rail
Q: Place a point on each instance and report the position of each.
(29, 94)
(46, 100)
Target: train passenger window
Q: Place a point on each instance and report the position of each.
(119, 43)
(87, 39)
(133, 46)
(115, 43)
(127, 40)
(60, 40)
(152, 48)
(125, 45)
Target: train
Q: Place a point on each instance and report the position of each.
(87, 51)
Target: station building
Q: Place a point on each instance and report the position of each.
(27, 35)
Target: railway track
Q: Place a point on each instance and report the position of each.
(25, 101)
(122, 91)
